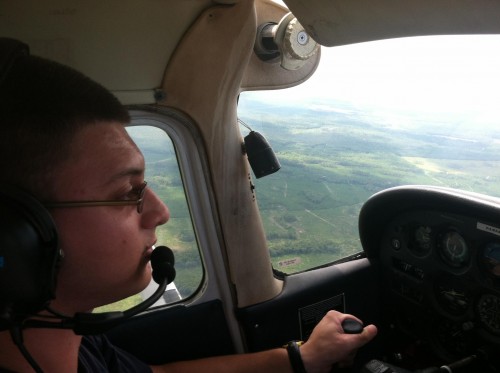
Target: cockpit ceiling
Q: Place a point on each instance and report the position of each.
(124, 44)
(339, 22)
(127, 45)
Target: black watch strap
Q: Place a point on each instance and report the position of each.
(295, 359)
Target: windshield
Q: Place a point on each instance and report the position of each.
(374, 115)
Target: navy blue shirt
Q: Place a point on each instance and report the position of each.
(97, 354)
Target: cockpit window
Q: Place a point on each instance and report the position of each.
(374, 115)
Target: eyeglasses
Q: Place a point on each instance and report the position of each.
(139, 202)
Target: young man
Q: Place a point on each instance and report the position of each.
(62, 138)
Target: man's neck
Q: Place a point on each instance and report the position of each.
(54, 350)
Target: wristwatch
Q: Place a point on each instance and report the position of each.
(293, 349)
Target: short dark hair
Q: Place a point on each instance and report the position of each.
(43, 104)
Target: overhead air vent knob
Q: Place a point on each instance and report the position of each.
(287, 40)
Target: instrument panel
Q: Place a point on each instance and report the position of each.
(438, 253)
(444, 269)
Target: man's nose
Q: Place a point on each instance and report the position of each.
(155, 211)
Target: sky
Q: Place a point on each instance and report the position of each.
(441, 73)
(438, 72)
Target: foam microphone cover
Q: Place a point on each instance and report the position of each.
(162, 262)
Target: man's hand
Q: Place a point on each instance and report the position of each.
(329, 344)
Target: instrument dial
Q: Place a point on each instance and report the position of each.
(453, 249)
(453, 296)
(421, 243)
(488, 309)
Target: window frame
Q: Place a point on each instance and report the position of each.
(193, 166)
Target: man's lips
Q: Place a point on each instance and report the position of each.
(147, 252)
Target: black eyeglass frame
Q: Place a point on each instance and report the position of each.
(139, 202)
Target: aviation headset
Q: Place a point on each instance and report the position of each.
(29, 252)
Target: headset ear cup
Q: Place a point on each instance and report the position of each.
(29, 255)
